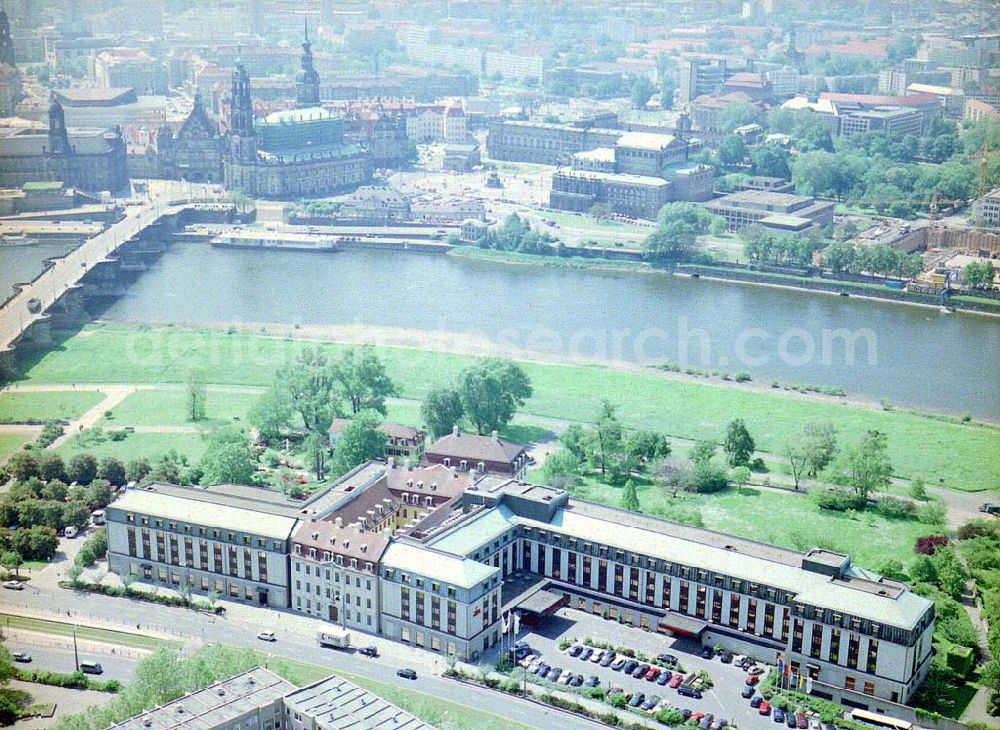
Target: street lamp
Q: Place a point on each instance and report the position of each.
(76, 652)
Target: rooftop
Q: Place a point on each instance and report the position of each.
(435, 564)
(229, 507)
(215, 706)
(473, 447)
(336, 703)
(646, 141)
(615, 177)
(600, 154)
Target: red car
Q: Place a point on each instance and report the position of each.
(752, 680)
(697, 716)
(652, 674)
(764, 709)
(675, 681)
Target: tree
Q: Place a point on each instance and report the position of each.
(273, 412)
(442, 410)
(363, 380)
(797, 461)
(736, 115)
(82, 469)
(99, 494)
(641, 92)
(679, 225)
(196, 395)
(739, 444)
(819, 444)
(310, 384)
(228, 459)
(646, 446)
(167, 468)
(978, 274)
(113, 471)
(771, 160)
(575, 440)
(918, 490)
(708, 478)
(839, 256)
(491, 391)
(359, 442)
(868, 464)
(740, 476)
(732, 150)
(23, 466)
(702, 452)
(607, 439)
(52, 466)
(630, 498)
(313, 448)
(11, 561)
(138, 469)
(562, 466)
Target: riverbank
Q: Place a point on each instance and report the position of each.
(859, 290)
(943, 450)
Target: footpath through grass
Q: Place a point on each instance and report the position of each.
(107, 636)
(944, 451)
(169, 408)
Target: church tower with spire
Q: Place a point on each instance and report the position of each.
(307, 80)
(239, 167)
(58, 134)
(6, 42)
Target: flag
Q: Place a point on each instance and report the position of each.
(781, 666)
(802, 681)
(517, 623)
(788, 670)
(506, 622)
(809, 685)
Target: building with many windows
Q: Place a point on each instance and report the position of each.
(227, 539)
(421, 555)
(749, 207)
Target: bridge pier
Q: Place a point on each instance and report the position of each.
(38, 336)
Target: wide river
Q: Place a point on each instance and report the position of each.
(909, 356)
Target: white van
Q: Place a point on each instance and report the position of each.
(71, 531)
(97, 517)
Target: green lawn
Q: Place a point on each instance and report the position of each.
(169, 408)
(39, 407)
(11, 442)
(59, 628)
(942, 451)
(135, 445)
(787, 520)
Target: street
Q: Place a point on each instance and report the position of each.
(61, 659)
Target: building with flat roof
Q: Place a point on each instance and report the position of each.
(639, 196)
(335, 704)
(259, 699)
(253, 700)
(894, 120)
(749, 207)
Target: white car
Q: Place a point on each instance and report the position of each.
(266, 636)
(13, 585)
(597, 656)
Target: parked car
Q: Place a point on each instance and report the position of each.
(755, 701)
(689, 691)
(707, 652)
(685, 713)
(607, 659)
(13, 585)
(553, 674)
(706, 721)
(629, 666)
(649, 703)
(565, 678)
(577, 681)
(666, 658)
(755, 670)
(528, 661)
(267, 636)
(696, 717)
(764, 709)
(21, 656)
(748, 691)
(752, 679)
(636, 700)
(89, 667)
(778, 714)
(664, 678)
(575, 650)
(614, 690)
(618, 663)
(727, 657)
(406, 673)
(790, 719)
(597, 656)
(640, 671)
(369, 651)
(675, 680)
(585, 654)
(801, 721)
(541, 670)
(652, 674)
(593, 681)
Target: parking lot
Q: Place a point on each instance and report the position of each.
(723, 700)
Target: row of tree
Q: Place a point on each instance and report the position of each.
(677, 231)
(485, 395)
(877, 259)
(763, 247)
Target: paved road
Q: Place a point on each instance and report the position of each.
(296, 641)
(61, 659)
